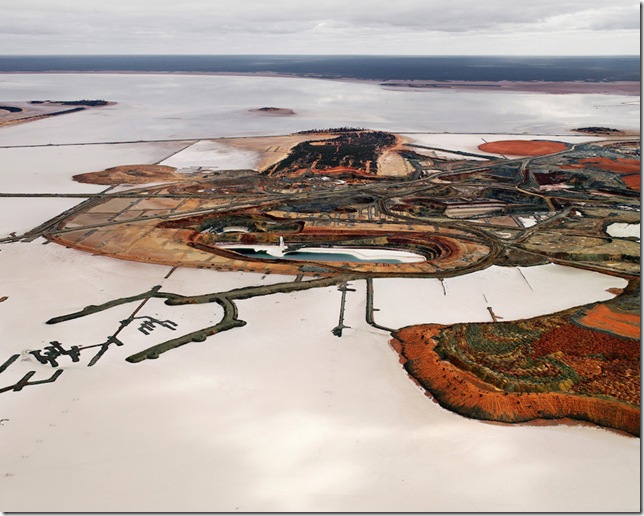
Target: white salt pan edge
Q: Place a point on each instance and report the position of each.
(512, 293)
(210, 154)
(50, 169)
(20, 214)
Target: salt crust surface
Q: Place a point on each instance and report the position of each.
(279, 415)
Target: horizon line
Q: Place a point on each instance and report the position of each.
(316, 55)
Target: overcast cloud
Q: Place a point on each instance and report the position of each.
(550, 27)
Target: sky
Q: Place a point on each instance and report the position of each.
(389, 27)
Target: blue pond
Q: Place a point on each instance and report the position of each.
(311, 256)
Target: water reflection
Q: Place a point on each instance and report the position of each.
(169, 106)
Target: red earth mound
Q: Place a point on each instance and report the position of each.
(524, 147)
(130, 174)
(464, 393)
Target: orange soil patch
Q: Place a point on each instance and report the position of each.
(524, 147)
(621, 165)
(601, 317)
(633, 181)
(629, 169)
(464, 393)
(130, 174)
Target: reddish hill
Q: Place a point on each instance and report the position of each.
(465, 394)
(545, 368)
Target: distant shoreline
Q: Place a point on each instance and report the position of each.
(629, 88)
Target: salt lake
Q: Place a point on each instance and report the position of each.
(174, 106)
(279, 415)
